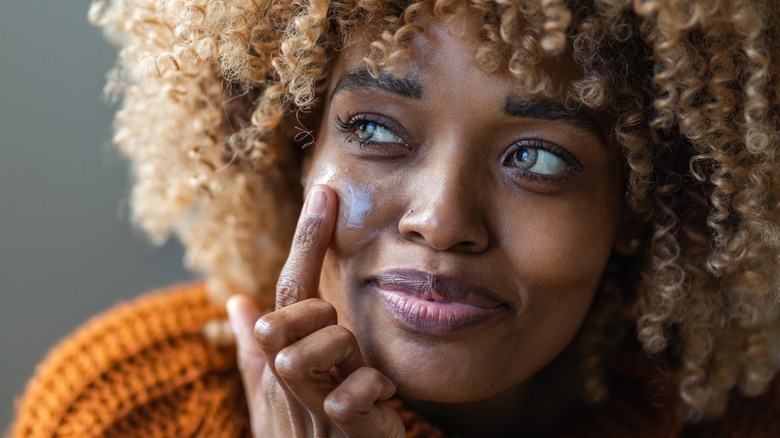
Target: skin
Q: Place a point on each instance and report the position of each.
(324, 361)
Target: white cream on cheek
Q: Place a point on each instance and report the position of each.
(357, 203)
(354, 201)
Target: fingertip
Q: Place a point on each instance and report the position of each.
(319, 199)
(324, 187)
(316, 201)
(233, 303)
(242, 313)
(233, 309)
(389, 389)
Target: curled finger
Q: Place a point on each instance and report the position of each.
(357, 406)
(312, 367)
(282, 328)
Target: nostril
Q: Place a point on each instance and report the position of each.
(474, 246)
(413, 235)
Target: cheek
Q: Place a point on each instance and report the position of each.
(559, 251)
(364, 210)
(558, 262)
(569, 250)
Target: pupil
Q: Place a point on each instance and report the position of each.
(525, 158)
(365, 130)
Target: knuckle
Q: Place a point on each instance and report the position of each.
(268, 332)
(344, 407)
(288, 291)
(307, 234)
(290, 365)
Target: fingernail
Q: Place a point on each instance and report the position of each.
(315, 205)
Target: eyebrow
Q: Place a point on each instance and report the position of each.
(361, 80)
(544, 109)
(551, 111)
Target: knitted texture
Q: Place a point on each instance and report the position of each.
(416, 426)
(145, 369)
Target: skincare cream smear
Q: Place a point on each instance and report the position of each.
(354, 202)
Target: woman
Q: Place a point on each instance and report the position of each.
(500, 198)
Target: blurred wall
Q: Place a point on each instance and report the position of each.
(67, 250)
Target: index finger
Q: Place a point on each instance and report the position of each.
(300, 276)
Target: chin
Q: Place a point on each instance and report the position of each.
(441, 371)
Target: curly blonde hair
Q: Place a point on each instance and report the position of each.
(213, 91)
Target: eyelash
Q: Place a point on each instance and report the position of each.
(348, 127)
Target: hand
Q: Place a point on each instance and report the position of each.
(304, 374)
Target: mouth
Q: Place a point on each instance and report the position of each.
(435, 304)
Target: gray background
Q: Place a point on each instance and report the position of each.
(67, 250)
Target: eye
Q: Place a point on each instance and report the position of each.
(533, 157)
(367, 130)
(372, 131)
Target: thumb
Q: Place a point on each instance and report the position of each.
(243, 313)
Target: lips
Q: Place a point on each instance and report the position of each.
(435, 304)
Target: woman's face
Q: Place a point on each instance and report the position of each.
(474, 221)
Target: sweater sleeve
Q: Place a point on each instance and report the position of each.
(143, 368)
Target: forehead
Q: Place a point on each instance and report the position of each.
(449, 48)
(442, 68)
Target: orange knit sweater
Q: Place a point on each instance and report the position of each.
(145, 369)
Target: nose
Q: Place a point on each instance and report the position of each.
(447, 214)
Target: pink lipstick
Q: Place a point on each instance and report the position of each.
(432, 303)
